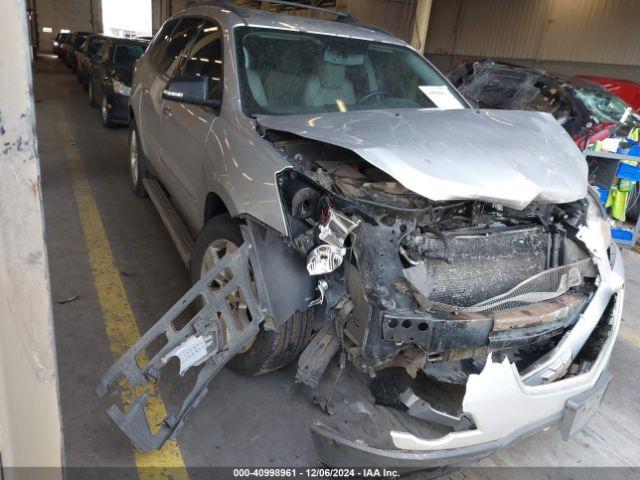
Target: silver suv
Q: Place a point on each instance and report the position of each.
(347, 200)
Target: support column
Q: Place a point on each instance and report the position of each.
(30, 426)
(421, 24)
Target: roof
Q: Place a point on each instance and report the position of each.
(128, 41)
(232, 16)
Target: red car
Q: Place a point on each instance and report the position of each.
(625, 89)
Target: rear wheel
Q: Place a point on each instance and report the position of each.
(270, 349)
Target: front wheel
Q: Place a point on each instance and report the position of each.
(106, 113)
(269, 350)
(137, 165)
(92, 97)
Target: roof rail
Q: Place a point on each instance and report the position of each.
(341, 16)
(228, 4)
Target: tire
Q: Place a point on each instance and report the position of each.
(137, 164)
(92, 98)
(106, 113)
(271, 349)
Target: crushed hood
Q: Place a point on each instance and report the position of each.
(501, 156)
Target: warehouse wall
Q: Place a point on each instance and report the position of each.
(396, 16)
(565, 36)
(163, 9)
(68, 14)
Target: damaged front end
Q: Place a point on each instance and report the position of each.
(463, 324)
(519, 306)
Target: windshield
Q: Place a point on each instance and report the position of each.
(604, 106)
(287, 73)
(126, 55)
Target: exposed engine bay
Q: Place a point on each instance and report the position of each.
(431, 286)
(435, 310)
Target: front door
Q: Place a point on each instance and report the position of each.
(163, 61)
(185, 127)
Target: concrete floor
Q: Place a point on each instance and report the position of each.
(242, 421)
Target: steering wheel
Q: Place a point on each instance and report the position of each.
(374, 93)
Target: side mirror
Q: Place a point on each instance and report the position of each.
(190, 90)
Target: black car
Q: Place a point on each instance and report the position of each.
(87, 51)
(581, 106)
(74, 41)
(59, 40)
(110, 78)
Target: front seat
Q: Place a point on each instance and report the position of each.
(328, 85)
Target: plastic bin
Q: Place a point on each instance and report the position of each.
(629, 172)
(622, 234)
(604, 194)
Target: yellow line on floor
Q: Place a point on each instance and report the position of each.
(630, 338)
(119, 319)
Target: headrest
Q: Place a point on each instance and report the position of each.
(331, 76)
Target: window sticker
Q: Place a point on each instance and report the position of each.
(441, 96)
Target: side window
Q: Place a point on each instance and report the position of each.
(160, 41)
(94, 46)
(104, 51)
(125, 55)
(171, 51)
(205, 58)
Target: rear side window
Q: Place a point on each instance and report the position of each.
(168, 54)
(205, 58)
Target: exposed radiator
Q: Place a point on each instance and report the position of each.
(484, 266)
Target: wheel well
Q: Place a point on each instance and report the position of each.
(213, 206)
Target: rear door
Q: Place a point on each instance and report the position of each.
(163, 60)
(98, 74)
(185, 127)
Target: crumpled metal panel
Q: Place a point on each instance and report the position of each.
(501, 156)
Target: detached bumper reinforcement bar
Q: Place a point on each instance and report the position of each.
(210, 338)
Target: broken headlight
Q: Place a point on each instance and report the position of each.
(318, 230)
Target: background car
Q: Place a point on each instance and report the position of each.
(625, 89)
(110, 78)
(58, 41)
(87, 51)
(75, 40)
(63, 47)
(582, 107)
